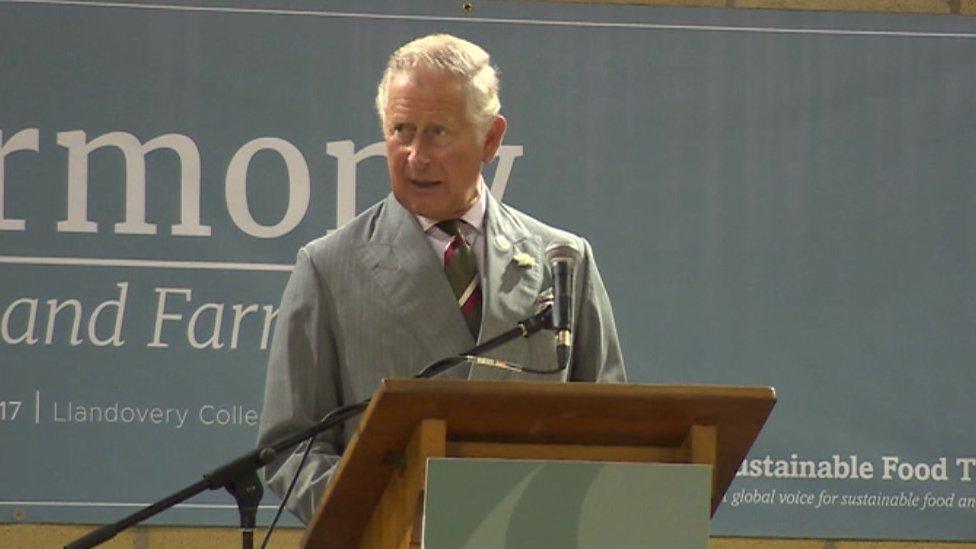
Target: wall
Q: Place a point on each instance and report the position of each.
(142, 537)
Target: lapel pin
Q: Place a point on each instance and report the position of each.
(524, 260)
(502, 242)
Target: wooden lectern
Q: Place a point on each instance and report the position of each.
(374, 498)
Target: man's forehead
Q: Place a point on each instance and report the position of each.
(424, 78)
(411, 93)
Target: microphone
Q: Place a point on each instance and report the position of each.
(562, 258)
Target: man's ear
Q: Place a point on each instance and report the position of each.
(493, 138)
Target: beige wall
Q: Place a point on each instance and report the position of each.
(19, 536)
(899, 6)
(23, 536)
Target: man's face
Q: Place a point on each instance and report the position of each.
(434, 153)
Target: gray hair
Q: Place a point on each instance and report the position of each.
(454, 56)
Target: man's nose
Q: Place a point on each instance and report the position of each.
(419, 155)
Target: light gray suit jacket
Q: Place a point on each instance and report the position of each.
(371, 301)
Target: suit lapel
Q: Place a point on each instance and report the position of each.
(513, 271)
(401, 261)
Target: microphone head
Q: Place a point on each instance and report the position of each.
(563, 252)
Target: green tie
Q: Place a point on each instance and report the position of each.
(461, 269)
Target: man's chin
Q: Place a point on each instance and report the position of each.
(433, 203)
(437, 212)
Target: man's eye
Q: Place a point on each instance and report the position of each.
(402, 131)
(439, 134)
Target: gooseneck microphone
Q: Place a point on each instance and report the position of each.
(562, 258)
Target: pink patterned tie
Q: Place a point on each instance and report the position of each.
(461, 269)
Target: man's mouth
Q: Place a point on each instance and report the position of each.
(424, 183)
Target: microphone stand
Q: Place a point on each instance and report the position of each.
(239, 476)
(524, 328)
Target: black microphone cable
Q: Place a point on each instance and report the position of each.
(337, 416)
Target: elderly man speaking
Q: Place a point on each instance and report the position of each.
(432, 269)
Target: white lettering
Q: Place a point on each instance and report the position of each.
(191, 328)
(134, 153)
(27, 336)
(893, 465)
(24, 140)
(134, 216)
(270, 314)
(234, 415)
(506, 159)
(119, 305)
(162, 316)
(967, 465)
(299, 190)
(347, 159)
(239, 313)
(53, 309)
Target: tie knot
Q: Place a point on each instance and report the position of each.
(450, 226)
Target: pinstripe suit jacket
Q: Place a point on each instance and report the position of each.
(370, 301)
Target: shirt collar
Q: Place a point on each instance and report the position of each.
(475, 216)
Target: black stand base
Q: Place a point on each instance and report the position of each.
(247, 490)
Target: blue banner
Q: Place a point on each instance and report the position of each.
(774, 198)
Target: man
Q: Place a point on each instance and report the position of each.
(396, 289)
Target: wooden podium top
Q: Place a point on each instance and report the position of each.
(591, 414)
